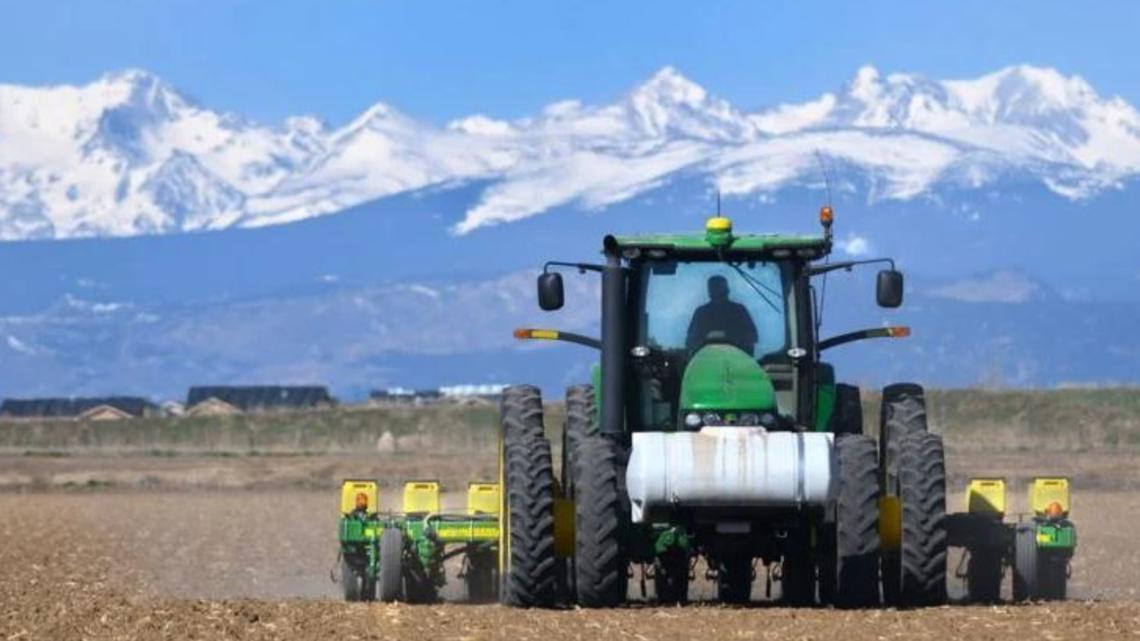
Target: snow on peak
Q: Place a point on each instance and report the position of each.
(866, 85)
(669, 103)
(669, 86)
(129, 154)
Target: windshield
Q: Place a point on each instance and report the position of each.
(687, 304)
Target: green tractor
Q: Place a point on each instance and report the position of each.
(715, 431)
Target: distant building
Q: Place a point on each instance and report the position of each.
(465, 394)
(172, 408)
(104, 413)
(96, 409)
(213, 407)
(404, 396)
(473, 394)
(221, 400)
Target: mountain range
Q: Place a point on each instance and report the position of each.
(128, 154)
(152, 243)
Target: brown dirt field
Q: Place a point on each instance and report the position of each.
(255, 564)
(149, 558)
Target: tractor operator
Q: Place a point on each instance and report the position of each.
(723, 316)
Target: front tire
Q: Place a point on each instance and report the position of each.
(601, 521)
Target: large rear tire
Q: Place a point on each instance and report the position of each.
(581, 423)
(521, 413)
(902, 413)
(922, 484)
(390, 581)
(856, 566)
(601, 522)
(532, 570)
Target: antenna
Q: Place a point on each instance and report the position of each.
(826, 216)
(826, 174)
(718, 203)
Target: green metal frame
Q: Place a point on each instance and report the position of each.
(1056, 535)
(429, 539)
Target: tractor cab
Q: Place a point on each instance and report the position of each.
(715, 329)
(714, 323)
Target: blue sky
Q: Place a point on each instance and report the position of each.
(439, 60)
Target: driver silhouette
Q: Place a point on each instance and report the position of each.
(722, 315)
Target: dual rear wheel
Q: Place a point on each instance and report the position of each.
(913, 473)
(528, 567)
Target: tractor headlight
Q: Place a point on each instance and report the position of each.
(749, 419)
(692, 420)
(769, 420)
(712, 419)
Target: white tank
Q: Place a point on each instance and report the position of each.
(729, 467)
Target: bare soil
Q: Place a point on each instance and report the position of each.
(137, 563)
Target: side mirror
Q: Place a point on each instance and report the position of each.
(889, 288)
(550, 296)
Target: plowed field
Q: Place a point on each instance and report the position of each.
(250, 564)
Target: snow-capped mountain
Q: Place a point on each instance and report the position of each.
(129, 155)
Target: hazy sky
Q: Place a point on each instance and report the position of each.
(439, 60)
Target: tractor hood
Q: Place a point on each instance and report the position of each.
(725, 378)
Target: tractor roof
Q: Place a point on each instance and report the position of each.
(700, 242)
(719, 237)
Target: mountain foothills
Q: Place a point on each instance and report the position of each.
(391, 251)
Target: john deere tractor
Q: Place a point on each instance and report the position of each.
(714, 430)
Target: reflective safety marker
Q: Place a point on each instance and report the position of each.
(523, 333)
